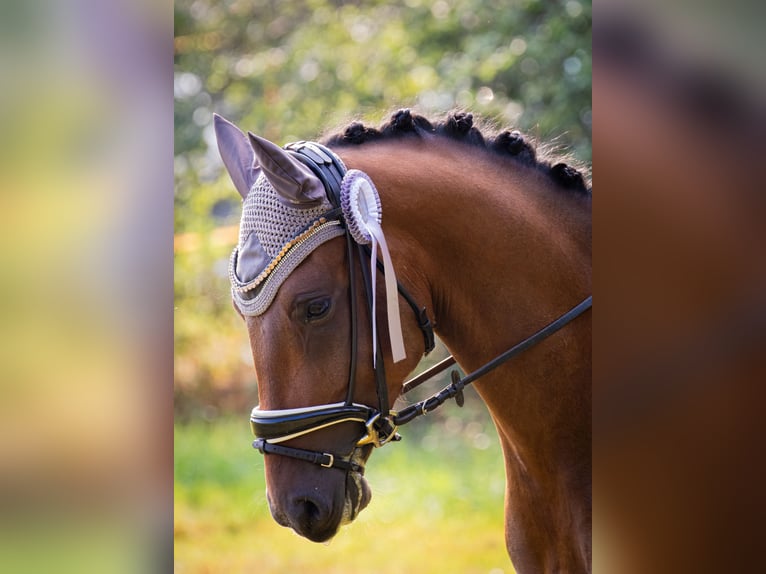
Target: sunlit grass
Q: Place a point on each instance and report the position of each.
(437, 507)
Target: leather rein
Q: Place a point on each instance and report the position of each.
(271, 427)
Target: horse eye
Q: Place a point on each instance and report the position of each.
(317, 309)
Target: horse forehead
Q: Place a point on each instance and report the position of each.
(325, 269)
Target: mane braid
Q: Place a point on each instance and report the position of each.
(458, 126)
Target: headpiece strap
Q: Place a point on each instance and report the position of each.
(325, 164)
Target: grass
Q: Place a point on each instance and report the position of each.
(437, 506)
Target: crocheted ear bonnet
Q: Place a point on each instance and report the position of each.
(296, 199)
(274, 238)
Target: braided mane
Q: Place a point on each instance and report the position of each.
(459, 126)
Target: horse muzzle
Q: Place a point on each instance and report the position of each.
(316, 504)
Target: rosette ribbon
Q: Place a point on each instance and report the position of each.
(362, 211)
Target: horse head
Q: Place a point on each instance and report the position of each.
(310, 333)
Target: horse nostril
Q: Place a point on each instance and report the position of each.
(310, 518)
(310, 512)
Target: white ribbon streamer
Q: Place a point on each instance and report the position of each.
(392, 294)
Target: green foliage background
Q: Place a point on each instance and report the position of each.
(295, 69)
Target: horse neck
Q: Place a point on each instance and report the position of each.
(495, 252)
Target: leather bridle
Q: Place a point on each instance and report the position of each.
(380, 423)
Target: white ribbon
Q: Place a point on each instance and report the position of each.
(392, 294)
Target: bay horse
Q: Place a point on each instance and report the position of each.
(486, 242)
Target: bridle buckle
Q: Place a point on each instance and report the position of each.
(329, 464)
(380, 431)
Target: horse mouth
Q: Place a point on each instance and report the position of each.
(358, 496)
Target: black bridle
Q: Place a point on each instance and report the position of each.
(380, 423)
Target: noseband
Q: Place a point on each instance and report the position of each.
(378, 425)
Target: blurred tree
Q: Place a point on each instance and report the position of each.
(291, 68)
(288, 69)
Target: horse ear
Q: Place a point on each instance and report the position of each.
(237, 155)
(294, 182)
